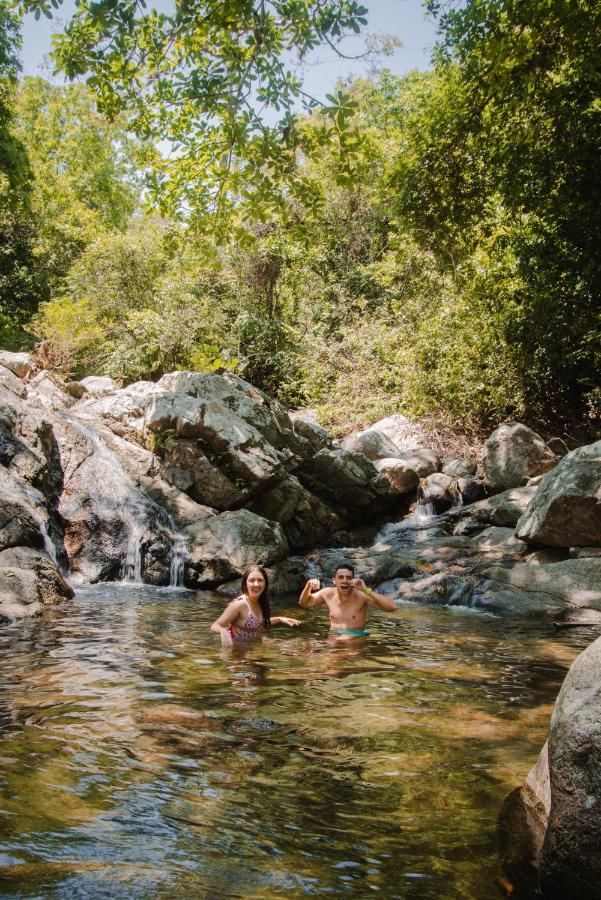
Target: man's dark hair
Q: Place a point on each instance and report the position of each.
(345, 566)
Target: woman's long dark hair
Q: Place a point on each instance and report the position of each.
(264, 598)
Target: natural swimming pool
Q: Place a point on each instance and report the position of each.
(140, 759)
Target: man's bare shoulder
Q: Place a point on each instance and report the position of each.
(328, 593)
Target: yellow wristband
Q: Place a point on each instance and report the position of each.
(368, 591)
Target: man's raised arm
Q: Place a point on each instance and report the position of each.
(307, 598)
(379, 601)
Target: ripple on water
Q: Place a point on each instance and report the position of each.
(292, 767)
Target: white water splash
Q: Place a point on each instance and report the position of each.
(179, 555)
(48, 545)
(132, 562)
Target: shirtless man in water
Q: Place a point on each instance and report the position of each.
(347, 602)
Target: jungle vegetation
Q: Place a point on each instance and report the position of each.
(426, 244)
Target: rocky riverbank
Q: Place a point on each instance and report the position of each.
(187, 480)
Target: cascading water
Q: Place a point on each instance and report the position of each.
(48, 545)
(424, 509)
(178, 561)
(132, 562)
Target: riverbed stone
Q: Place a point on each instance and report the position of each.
(572, 582)
(224, 545)
(423, 460)
(459, 468)
(48, 390)
(29, 581)
(566, 510)
(11, 383)
(20, 364)
(512, 454)
(402, 477)
(441, 490)
(502, 509)
(570, 864)
(471, 489)
(342, 477)
(20, 514)
(99, 385)
(372, 444)
(405, 434)
(305, 519)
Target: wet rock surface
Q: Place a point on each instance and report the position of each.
(552, 822)
(110, 481)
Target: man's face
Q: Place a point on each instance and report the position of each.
(343, 580)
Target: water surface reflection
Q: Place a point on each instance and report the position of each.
(140, 759)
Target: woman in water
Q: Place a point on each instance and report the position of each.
(248, 616)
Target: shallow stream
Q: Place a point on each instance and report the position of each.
(139, 759)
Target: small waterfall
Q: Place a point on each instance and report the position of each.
(48, 545)
(132, 562)
(178, 561)
(454, 489)
(424, 509)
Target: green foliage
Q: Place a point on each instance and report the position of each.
(18, 277)
(84, 177)
(208, 79)
(426, 244)
(135, 307)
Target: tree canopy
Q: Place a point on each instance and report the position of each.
(215, 83)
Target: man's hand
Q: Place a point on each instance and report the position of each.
(311, 594)
(361, 586)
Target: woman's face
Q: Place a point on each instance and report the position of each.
(255, 584)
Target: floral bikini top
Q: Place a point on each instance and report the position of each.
(252, 629)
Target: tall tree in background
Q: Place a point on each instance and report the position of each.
(85, 180)
(18, 292)
(506, 158)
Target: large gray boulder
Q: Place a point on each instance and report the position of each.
(423, 460)
(402, 477)
(442, 491)
(20, 364)
(372, 444)
(502, 509)
(566, 510)
(553, 820)
(48, 391)
(305, 519)
(29, 581)
(459, 468)
(22, 514)
(574, 583)
(224, 545)
(513, 454)
(349, 481)
(99, 384)
(571, 854)
(11, 383)
(404, 433)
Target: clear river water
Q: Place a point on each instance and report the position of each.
(139, 759)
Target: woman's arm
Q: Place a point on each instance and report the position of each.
(221, 626)
(285, 620)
